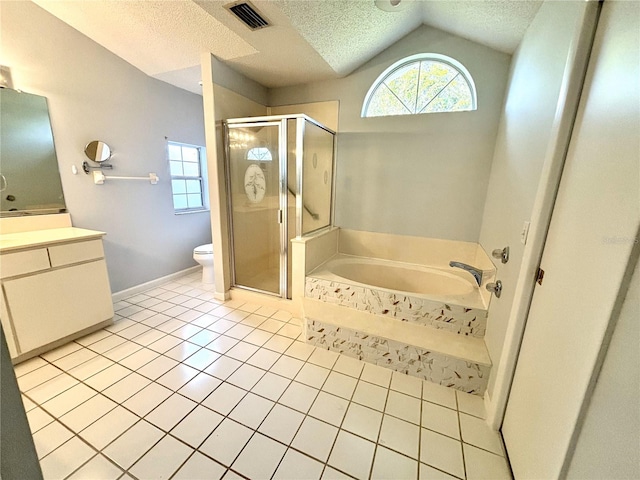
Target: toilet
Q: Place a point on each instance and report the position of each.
(204, 256)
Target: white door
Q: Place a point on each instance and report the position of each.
(592, 231)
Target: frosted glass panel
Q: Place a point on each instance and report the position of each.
(317, 177)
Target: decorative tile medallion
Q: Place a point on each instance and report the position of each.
(432, 366)
(445, 316)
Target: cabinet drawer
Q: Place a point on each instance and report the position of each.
(19, 263)
(75, 252)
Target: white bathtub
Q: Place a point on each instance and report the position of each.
(437, 284)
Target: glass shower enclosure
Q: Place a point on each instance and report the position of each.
(280, 185)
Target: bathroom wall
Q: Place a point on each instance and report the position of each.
(523, 138)
(423, 175)
(93, 94)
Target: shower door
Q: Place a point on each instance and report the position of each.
(256, 159)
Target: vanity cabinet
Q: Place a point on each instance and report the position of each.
(53, 291)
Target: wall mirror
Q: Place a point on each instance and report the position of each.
(97, 151)
(29, 176)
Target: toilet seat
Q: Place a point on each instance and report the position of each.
(204, 249)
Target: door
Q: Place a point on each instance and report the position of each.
(592, 231)
(255, 186)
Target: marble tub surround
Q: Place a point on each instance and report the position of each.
(448, 371)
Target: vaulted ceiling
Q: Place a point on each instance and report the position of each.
(309, 40)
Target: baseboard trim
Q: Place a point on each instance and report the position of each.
(122, 294)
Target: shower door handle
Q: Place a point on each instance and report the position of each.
(280, 216)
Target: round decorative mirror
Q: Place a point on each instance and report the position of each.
(97, 151)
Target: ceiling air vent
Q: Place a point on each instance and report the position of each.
(248, 14)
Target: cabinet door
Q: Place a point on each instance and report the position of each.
(52, 305)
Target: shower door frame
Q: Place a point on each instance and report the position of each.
(281, 122)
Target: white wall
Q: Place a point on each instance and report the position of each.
(608, 443)
(423, 175)
(524, 135)
(93, 95)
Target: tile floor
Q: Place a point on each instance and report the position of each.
(184, 387)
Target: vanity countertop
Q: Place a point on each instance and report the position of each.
(36, 238)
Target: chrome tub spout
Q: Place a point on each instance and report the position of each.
(476, 272)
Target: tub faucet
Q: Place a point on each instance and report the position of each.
(476, 272)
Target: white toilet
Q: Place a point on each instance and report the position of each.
(204, 256)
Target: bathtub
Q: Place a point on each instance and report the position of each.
(433, 284)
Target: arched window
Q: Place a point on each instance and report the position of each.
(423, 83)
(260, 154)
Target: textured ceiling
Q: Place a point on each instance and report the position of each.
(310, 40)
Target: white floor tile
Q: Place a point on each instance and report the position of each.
(290, 330)
(149, 337)
(170, 412)
(222, 344)
(126, 388)
(242, 351)
(287, 366)
(165, 344)
(28, 404)
(119, 325)
(186, 331)
(331, 473)
(312, 375)
(370, 395)
(74, 359)
(37, 362)
(157, 367)
(315, 438)
(389, 465)
(349, 366)
(204, 338)
(260, 457)
(156, 319)
(251, 410)
(106, 344)
(296, 466)
(403, 406)
(476, 432)
(282, 315)
(282, 423)
(239, 331)
(377, 375)
(147, 399)
(50, 356)
(67, 458)
(226, 441)
(223, 367)
(440, 419)
(106, 429)
(264, 358)
(98, 468)
(133, 331)
(69, 400)
(90, 367)
(51, 388)
(298, 396)
(340, 384)
(37, 377)
(430, 473)
(441, 452)
(435, 393)
(278, 343)
(200, 387)
(197, 426)
(107, 377)
(163, 460)
(352, 455)
(38, 419)
(199, 467)
(329, 408)
(202, 358)
(300, 350)
(266, 311)
(173, 324)
(131, 445)
(271, 325)
(237, 315)
(85, 414)
(224, 398)
(483, 465)
(93, 337)
(122, 351)
(246, 376)
(139, 358)
(258, 337)
(406, 384)
(49, 438)
(205, 320)
(221, 326)
(271, 386)
(401, 436)
(323, 358)
(182, 351)
(177, 376)
(471, 404)
(363, 421)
